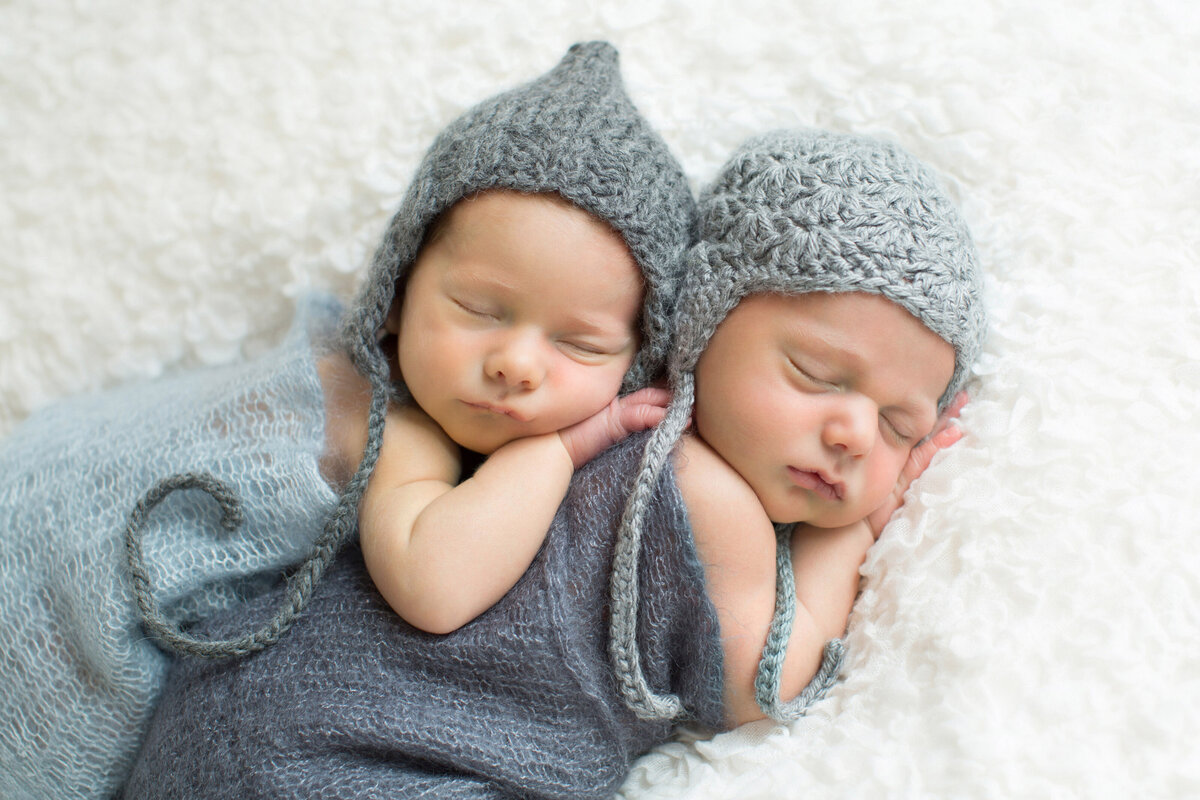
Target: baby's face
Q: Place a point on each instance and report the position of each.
(519, 318)
(816, 400)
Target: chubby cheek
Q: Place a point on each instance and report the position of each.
(413, 341)
(581, 391)
(431, 351)
(744, 429)
(879, 479)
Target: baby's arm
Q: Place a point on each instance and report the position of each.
(826, 563)
(736, 542)
(442, 553)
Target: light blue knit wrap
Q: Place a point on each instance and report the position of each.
(78, 677)
(794, 212)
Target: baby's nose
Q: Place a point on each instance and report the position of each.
(517, 361)
(852, 425)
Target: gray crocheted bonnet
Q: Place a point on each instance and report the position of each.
(572, 131)
(794, 212)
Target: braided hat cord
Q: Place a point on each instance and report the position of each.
(624, 591)
(572, 131)
(338, 528)
(794, 212)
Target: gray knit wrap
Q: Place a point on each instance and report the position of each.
(573, 131)
(794, 212)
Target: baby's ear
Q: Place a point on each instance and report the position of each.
(392, 323)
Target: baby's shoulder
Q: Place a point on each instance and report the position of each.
(412, 442)
(416, 448)
(735, 541)
(728, 520)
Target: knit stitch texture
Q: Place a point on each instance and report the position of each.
(794, 212)
(78, 677)
(355, 703)
(816, 211)
(572, 131)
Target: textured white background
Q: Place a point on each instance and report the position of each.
(175, 173)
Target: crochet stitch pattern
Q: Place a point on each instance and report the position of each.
(572, 131)
(81, 675)
(795, 212)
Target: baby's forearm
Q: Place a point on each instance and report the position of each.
(825, 562)
(468, 545)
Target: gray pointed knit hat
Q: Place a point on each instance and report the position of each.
(794, 212)
(573, 131)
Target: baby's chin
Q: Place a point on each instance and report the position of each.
(818, 517)
(486, 443)
(482, 446)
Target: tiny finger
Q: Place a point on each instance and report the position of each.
(651, 395)
(946, 437)
(956, 405)
(642, 416)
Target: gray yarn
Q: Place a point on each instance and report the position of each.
(81, 676)
(624, 597)
(153, 619)
(813, 211)
(573, 131)
(338, 528)
(794, 212)
(519, 702)
(770, 667)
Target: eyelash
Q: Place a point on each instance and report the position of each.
(475, 312)
(576, 346)
(899, 436)
(810, 378)
(587, 349)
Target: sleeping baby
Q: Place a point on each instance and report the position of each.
(525, 281)
(701, 572)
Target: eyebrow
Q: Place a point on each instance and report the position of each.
(472, 279)
(598, 326)
(825, 349)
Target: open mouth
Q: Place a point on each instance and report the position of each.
(815, 481)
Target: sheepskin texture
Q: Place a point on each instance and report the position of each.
(177, 173)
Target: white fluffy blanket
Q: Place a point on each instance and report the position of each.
(176, 172)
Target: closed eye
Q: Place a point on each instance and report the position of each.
(899, 435)
(475, 310)
(590, 349)
(808, 377)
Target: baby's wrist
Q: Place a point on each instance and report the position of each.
(568, 446)
(542, 449)
(871, 528)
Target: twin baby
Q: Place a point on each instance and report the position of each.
(560, 555)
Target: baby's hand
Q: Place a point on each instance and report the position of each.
(625, 415)
(944, 435)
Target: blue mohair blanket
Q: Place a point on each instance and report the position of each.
(354, 703)
(78, 678)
